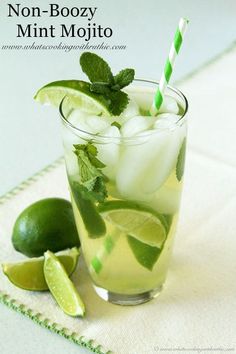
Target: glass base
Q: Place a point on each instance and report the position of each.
(123, 299)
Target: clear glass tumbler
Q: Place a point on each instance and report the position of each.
(127, 239)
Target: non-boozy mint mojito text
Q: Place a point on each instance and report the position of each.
(73, 30)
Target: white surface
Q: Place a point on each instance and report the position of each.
(197, 308)
(30, 134)
(19, 335)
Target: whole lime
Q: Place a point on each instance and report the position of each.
(45, 225)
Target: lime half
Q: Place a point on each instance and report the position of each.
(143, 223)
(61, 287)
(79, 93)
(29, 274)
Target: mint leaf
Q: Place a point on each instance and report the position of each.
(88, 173)
(146, 255)
(103, 82)
(91, 176)
(99, 192)
(91, 152)
(96, 68)
(181, 161)
(124, 78)
(100, 87)
(119, 101)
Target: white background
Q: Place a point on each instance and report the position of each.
(30, 134)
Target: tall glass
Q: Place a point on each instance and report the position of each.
(127, 240)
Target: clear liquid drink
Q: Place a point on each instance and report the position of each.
(127, 238)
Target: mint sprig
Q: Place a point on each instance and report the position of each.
(103, 82)
(92, 178)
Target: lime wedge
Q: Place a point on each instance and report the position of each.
(143, 223)
(78, 91)
(61, 287)
(146, 255)
(29, 274)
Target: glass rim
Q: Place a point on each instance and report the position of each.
(129, 138)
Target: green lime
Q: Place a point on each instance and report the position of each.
(61, 287)
(29, 274)
(80, 93)
(45, 225)
(140, 222)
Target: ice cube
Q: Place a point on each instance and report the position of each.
(131, 110)
(143, 95)
(144, 167)
(166, 120)
(88, 123)
(108, 151)
(136, 125)
(169, 105)
(72, 136)
(135, 161)
(97, 124)
(79, 119)
(164, 161)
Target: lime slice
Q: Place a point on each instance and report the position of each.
(78, 91)
(61, 287)
(143, 223)
(29, 274)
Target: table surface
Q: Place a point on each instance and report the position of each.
(26, 143)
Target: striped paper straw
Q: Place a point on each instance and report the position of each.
(104, 251)
(165, 78)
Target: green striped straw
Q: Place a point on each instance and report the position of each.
(105, 250)
(168, 69)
